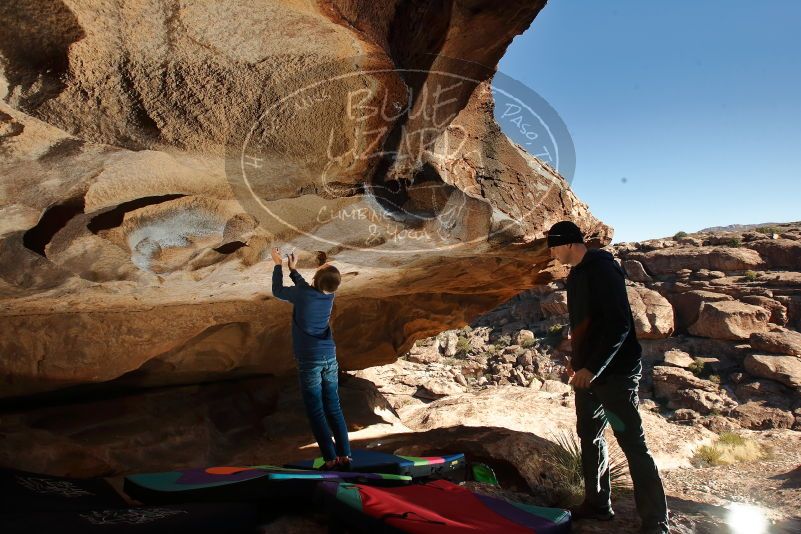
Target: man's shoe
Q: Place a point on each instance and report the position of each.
(586, 511)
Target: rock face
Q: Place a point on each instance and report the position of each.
(729, 320)
(653, 314)
(151, 157)
(684, 390)
(687, 304)
(784, 369)
(670, 260)
(777, 342)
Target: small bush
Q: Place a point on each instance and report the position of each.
(564, 460)
(679, 235)
(555, 329)
(729, 448)
(751, 276)
(733, 242)
(698, 368)
(731, 438)
(554, 334)
(767, 230)
(503, 341)
(708, 454)
(463, 346)
(527, 344)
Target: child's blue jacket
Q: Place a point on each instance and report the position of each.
(311, 333)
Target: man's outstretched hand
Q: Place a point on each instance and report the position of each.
(292, 261)
(582, 378)
(276, 254)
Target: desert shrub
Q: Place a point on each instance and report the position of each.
(767, 230)
(564, 463)
(729, 448)
(732, 438)
(462, 346)
(751, 276)
(733, 242)
(503, 341)
(679, 235)
(527, 344)
(698, 368)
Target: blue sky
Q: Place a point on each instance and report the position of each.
(697, 104)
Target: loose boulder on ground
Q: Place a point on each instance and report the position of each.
(686, 305)
(635, 271)
(653, 314)
(777, 342)
(670, 260)
(681, 389)
(759, 416)
(729, 320)
(781, 368)
(778, 311)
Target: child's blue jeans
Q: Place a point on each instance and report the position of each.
(319, 388)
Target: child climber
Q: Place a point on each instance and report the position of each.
(315, 354)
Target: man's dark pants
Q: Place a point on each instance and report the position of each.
(613, 399)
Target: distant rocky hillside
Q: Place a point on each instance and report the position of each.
(737, 227)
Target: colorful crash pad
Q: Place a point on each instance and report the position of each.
(240, 483)
(436, 507)
(450, 466)
(24, 491)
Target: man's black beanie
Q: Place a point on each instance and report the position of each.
(563, 233)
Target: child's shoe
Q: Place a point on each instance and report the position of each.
(343, 463)
(330, 465)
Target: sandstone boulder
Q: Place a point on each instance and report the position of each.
(678, 358)
(729, 320)
(437, 388)
(778, 311)
(555, 386)
(779, 253)
(554, 304)
(784, 369)
(759, 416)
(687, 305)
(782, 341)
(769, 392)
(635, 271)
(670, 260)
(653, 314)
(681, 389)
(524, 337)
(424, 353)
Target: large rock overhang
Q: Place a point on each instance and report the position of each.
(152, 155)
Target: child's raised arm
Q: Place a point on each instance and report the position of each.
(279, 291)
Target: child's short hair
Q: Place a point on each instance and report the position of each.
(327, 278)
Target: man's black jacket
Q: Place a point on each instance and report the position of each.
(601, 325)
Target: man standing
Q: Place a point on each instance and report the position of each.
(605, 370)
